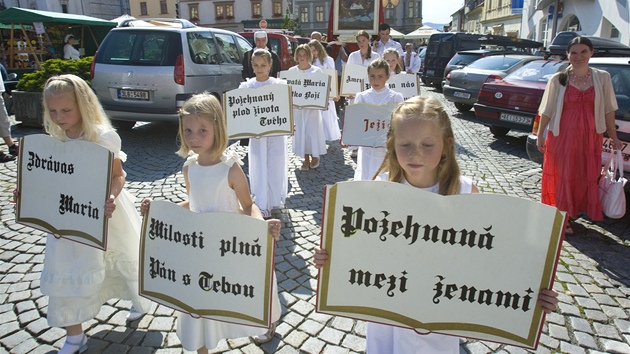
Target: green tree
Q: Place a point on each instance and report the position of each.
(292, 24)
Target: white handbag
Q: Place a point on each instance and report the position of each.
(611, 193)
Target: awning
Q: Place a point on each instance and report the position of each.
(19, 15)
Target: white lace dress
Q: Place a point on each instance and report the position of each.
(369, 159)
(195, 333)
(386, 339)
(329, 116)
(78, 279)
(268, 162)
(308, 137)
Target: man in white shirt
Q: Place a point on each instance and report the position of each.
(386, 41)
(411, 59)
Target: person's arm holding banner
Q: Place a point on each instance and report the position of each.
(116, 186)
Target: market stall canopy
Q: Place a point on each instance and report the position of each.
(395, 34)
(423, 32)
(89, 31)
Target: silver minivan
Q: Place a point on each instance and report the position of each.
(145, 70)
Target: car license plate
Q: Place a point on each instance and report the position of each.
(516, 119)
(430, 72)
(608, 145)
(133, 95)
(463, 95)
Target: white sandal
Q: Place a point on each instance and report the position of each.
(72, 347)
(267, 337)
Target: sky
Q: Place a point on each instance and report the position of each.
(439, 11)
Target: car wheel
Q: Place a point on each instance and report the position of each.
(462, 107)
(123, 124)
(438, 86)
(499, 131)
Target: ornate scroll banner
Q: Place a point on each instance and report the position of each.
(213, 265)
(405, 83)
(334, 86)
(309, 91)
(263, 111)
(366, 124)
(353, 78)
(63, 188)
(467, 265)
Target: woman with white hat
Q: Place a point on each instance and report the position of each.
(70, 52)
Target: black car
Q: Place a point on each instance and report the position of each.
(602, 47)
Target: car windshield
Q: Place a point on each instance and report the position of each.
(464, 58)
(620, 77)
(147, 48)
(537, 71)
(496, 62)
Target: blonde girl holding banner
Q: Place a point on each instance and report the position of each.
(268, 156)
(421, 153)
(329, 116)
(391, 56)
(214, 182)
(77, 278)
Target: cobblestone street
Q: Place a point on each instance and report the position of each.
(593, 275)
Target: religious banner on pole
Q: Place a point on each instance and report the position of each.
(256, 112)
(354, 79)
(366, 124)
(308, 91)
(405, 83)
(63, 187)
(213, 265)
(467, 265)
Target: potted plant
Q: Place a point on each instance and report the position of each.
(27, 97)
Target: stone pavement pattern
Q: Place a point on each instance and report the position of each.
(593, 276)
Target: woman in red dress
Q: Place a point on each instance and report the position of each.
(578, 106)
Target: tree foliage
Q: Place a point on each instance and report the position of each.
(34, 81)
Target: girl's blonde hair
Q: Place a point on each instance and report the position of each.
(378, 64)
(364, 33)
(93, 117)
(206, 107)
(262, 53)
(398, 68)
(321, 51)
(305, 48)
(430, 109)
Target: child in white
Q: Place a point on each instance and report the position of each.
(268, 156)
(214, 182)
(369, 159)
(77, 278)
(329, 116)
(308, 138)
(391, 56)
(421, 153)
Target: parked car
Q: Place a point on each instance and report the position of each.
(145, 72)
(603, 47)
(280, 43)
(462, 86)
(619, 69)
(512, 103)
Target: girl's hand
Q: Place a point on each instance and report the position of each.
(617, 144)
(320, 257)
(16, 195)
(144, 206)
(110, 206)
(548, 298)
(540, 143)
(274, 226)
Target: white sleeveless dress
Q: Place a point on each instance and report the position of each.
(210, 192)
(308, 137)
(387, 339)
(329, 116)
(78, 279)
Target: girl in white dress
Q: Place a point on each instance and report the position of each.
(214, 182)
(308, 138)
(421, 153)
(268, 156)
(77, 278)
(329, 116)
(369, 159)
(391, 55)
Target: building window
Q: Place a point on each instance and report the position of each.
(319, 13)
(224, 11)
(304, 14)
(193, 12)
(389, 12)
(163, 7)
(410, 8)
(256, 9)
(143, 9)
(277, 8)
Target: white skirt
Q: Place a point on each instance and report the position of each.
(309, 133)
(331, 122)
(268, 171)
(78, 279)
(368, 162)
(386, 339)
